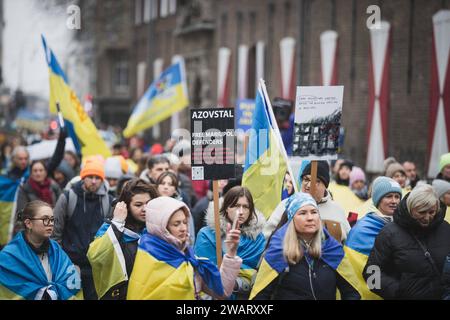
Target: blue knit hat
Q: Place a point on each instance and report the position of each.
(382, 186)
(298, 200)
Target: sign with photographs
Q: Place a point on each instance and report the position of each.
(318, 112)
(212, 143)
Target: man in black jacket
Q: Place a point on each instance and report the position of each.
(79, 213)
(410, 252)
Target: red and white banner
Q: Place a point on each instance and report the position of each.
(328, 57)
(242, 75)
(287, 57)
(158, 66)
(379, 65)
(223, 77)
(260, 62)
(439, 129)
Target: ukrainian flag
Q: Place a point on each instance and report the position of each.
(358, 245)
(23, 277)
(81, 129)
(265, 163)
(274, 262)
(8, 193)
(107, 260)
(162, 272)
(165, 96)
(249, 250)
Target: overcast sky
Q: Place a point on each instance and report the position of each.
(24, 62)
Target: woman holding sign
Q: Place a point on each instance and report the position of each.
(237, 208)
(166, 267)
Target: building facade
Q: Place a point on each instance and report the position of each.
(227, 45)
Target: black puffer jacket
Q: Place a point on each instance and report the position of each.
(406, 272)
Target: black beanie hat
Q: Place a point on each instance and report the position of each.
(323, 172)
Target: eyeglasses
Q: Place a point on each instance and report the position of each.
(46, 221)
(306, 180)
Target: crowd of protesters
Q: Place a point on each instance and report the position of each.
(115, 225)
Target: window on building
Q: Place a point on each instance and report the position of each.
(147, 8)
(120, 76)
(153, 9)
(173, 6)
(137, 12)
(164, 8)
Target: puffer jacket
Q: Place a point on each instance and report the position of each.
(406, 270)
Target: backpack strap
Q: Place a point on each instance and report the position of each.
(71, 202)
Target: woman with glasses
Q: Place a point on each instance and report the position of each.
(34, 267)
(237, 201)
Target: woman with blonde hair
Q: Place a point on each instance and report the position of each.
(410, 252)
(302, 261)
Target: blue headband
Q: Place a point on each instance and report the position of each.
(298, 200)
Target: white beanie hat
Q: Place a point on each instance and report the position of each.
(441, 187)
(113, 169)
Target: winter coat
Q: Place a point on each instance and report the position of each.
(27, 194)
(406, 270)
(76, 230)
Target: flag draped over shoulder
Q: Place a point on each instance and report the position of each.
(23, 277)
(249, 250)
(265, 161)
(107, 259)
(8, 193)
(81, 129)
(274, 262)
(358, 246)
(165, 96)
(162, 272)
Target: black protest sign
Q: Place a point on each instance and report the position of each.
(212, 144)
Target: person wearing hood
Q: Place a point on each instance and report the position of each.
(302, 260)
(358, 183)
(63, 174)
(332, 214)
(79, 213)
(112, 265)
(34, 267)
(167, 185)
(410, 252)
(386, 196)
(237, 201)
(442, 189)
(166, 267)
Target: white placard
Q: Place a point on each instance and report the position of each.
(318, 113)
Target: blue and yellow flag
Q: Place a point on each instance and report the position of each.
(274, 262)
(8, 193)
(162, 272)
(22, 275)
(107, 259)
(80, 127)
(265, 161)
(358, 246)
(249, 250)
(165, 96)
